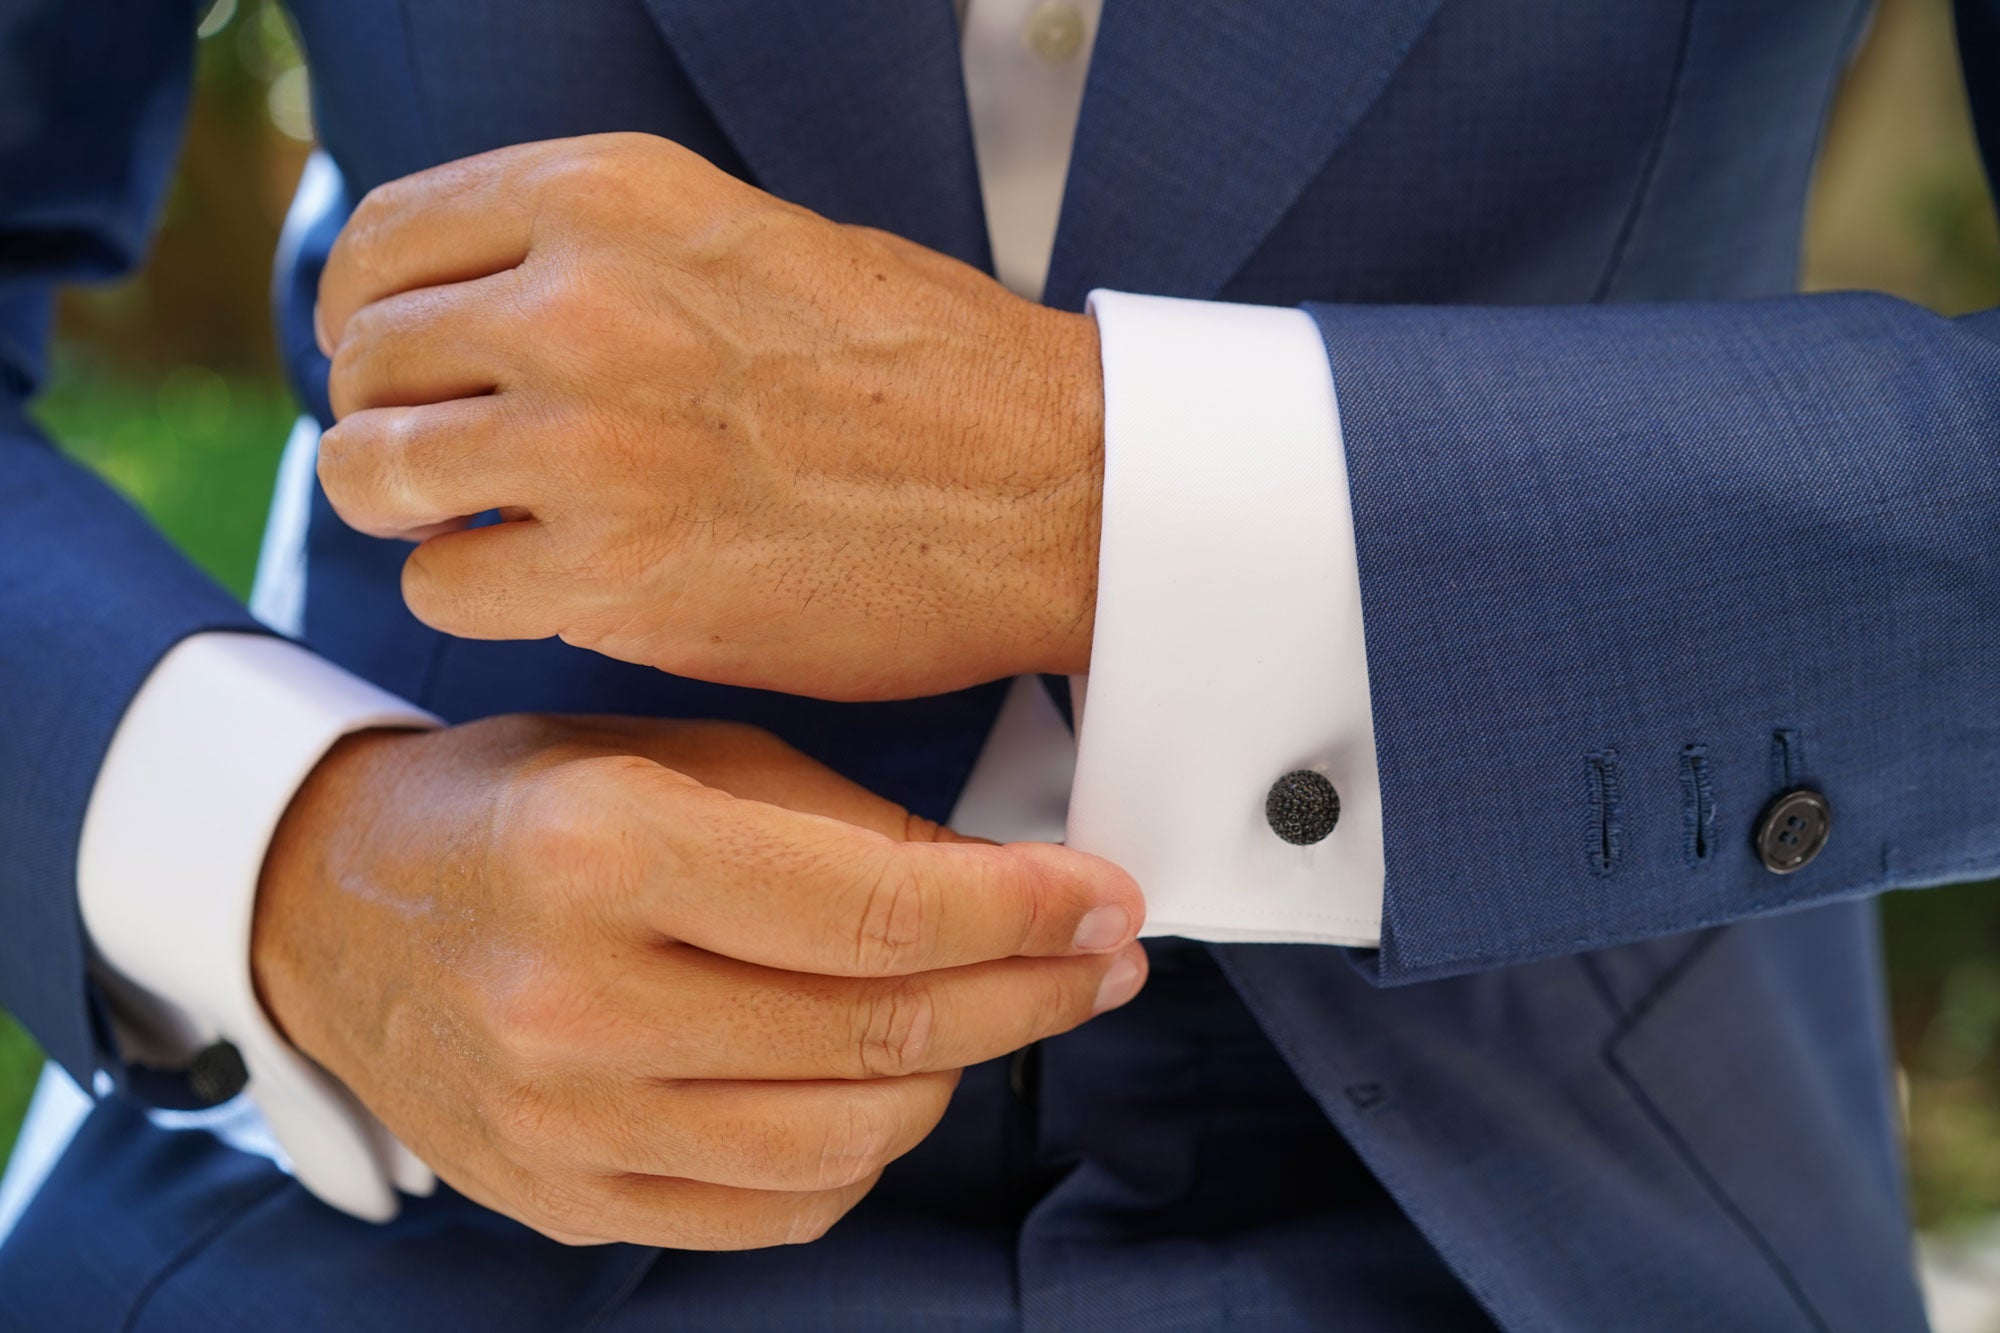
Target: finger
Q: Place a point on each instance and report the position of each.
(811, 894)
(752, 763)
(497, 582)
(796, 1136)
(451, 223)
(673, 1214)
(401, 471)
(710, 1017)
(423, 346)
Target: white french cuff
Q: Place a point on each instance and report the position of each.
(201, 768)
(1228, 647)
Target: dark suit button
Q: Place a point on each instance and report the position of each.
(1792, 831)
(217, 1073)
(1302, 807)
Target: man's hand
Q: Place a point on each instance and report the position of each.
(733, 440)
(673, 984)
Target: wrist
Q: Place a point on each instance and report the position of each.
(1067, 517)
(294, 939)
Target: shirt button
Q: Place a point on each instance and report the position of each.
(1793, 830)
(1302, 807)
(217, 1074)
(1055, 32)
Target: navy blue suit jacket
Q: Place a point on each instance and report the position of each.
(1643, 540)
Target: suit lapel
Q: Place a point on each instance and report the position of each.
(1202, 122)
(852, 108)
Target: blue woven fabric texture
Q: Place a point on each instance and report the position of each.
(1644, 539)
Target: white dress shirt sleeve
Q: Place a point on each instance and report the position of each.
(199, 771)
(1228, 648)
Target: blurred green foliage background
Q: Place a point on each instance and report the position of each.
(167, 385)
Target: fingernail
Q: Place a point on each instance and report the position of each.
(319, 333)
(1102, 928)
(1120, 983)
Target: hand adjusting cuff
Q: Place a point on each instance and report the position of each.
(208, 756)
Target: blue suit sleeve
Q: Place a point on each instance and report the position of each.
(1630, 572)
(92, 97)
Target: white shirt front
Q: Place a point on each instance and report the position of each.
(1228, 652)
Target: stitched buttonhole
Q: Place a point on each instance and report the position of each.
(1605, 829)
(1697, 806)
(1788, 759)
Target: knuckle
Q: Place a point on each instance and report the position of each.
(362, 469)
(1059, 1003)
(585, 299)
(566, 291)
(356, 264)
(894, 1032)
(813, 1216)
(546, 819)
(351, 372)
(369, 328)
(585, 631)
(544, 1021)
(428, 592)
(854, 1145)
(631, 552)
(916, 828)
(1032, 922)
(527, 1124)
(707, 745)
(808, 1223)
(369, 493)
(344, 453)
(568, 1238)
(408, 455)
(351, 259)
(377, 206)
(546, 293)
(725, 1230)
(582, 165)
(743, 1224)
(591, 561)
(898, 929)
(620, 144)
(580, 180)
(558, 1206)
(563, 826)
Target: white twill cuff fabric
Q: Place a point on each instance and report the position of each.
(1228, 648)
(201, 768)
